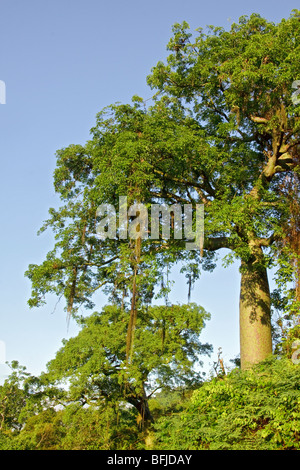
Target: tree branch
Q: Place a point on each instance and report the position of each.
(216, 243)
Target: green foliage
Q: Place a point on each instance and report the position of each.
(104, 428)
(78, 428)
(132, 141)
(165, 353)
(238, 85)
(19, 396)
(258, 409)
(92, 396)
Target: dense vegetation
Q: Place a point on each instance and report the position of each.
(245, 410)
(257, 409)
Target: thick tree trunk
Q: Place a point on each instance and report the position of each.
(255, 312)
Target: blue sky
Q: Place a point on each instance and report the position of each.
(62, 62)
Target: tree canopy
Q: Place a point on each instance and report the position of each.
(166, 355)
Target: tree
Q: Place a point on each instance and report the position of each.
(127, 139)
(20, 395)
(165, 355)
(238, 87)
(12, 398)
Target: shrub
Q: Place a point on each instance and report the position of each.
(245, 410)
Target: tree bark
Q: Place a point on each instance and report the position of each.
(255, 312)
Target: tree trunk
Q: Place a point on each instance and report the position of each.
(255, 312)
(141, 404)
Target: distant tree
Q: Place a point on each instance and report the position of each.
(20, 395)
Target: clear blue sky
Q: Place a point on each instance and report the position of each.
(62, 62)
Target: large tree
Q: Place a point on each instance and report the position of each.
(239, 86)
(224, 133)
